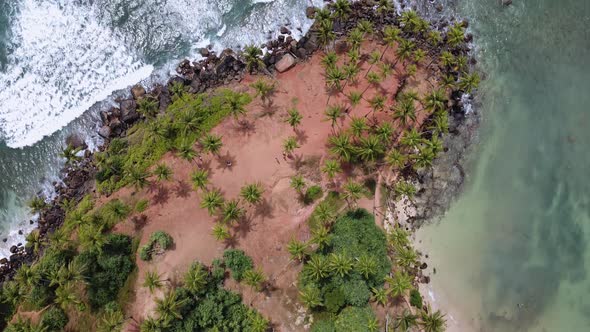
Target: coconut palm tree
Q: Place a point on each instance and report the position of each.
(423, 158)
(235, 103)
(374, 79)
(324, 213)
(169, 307)
(399, 284)
(65, 297)
(355, 38)
(73, 272)
(390, 37)
(200, 179)
(353, 191)
(370, 148)
(380, 295)
(334, 78)
(377, 104)
(294, 118)
(341, 9)
(326, 32)
(37, 204)
(384, 132)
(70, 154)
(366, 265)
(333, 114)
(404, 50)
(340, 264)
(152, 281)
(456, 35)
(384, 7)
(397, 237)
(317, 267)
(186, 152)
(150, 324)
(298, 250)
(432, 322)
(385, 70)
(35, 241)
(138, 177)
(310, 297)
(405, 111)
(92, 238)
(323, 14)
(461, 63)
(148, 106)
(163, 172)
(358, 126)
(351, 72)
(405, 189)
(12, 293)
(395, 159)
(406, 321)
(195, 279)
(447, 59)
(373, 325)
(297, 183)
(252, 58)
(419, 56)
(435, 100)
(341, 146)
(406, 257)
(252, 193)
(220, 232)
(329, 60)
(331, 168)
(264, 89)
(434, 38)
(177, 89)
(469, 82)
(212, 201)
(212, 143)
(290, 144)
(440, 124)
(111, 320)
(354, 55)
(354, 97)
(232, 211)
(257, 322)
(410, 20)
(412, 139)
(254, 279)
(321, 237)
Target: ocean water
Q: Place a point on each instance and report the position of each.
(512, 253)
(63, 60)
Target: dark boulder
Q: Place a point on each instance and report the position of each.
(76, 142)
(310, 12)
(137, 91)
(285, 31)
(105, 131)
(129, 112)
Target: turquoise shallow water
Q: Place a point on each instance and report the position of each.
(512, 253)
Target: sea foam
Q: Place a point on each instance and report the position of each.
(63, 61)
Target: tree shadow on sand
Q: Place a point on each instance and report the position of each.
(182, 189)
(301, 136)
(162, 195)
(231, 241)
(226, 161)
(263, 209)
(269, 109)
(296, 161)
(245, 226)
(246, 127)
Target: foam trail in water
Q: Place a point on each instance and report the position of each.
(63, 62)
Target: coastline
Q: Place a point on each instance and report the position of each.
(211, 72)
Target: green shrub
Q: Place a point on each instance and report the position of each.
(237, 262)
(416, 298)
(217, 270)
(163, 239)
(40, 296)
(323, 325)
(357, 292)
(312, 193)
(145, 253)
(354, 319)
(141, 205)
(54, 319)
(334, 300)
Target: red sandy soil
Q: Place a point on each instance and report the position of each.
(256, 156)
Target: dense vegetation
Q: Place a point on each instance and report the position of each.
(202, 304)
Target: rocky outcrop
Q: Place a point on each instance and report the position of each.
(287, 62)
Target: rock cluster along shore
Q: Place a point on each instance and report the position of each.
(198, 76)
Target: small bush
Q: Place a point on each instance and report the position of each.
(145, 253)
(312, 193)
(141, 205)
(54, 319)
(354, 319)
(357, 293)
(323, 325)
(163, 239)
(334, 300)
(237, 262)
(40, 296)
(416, 298)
